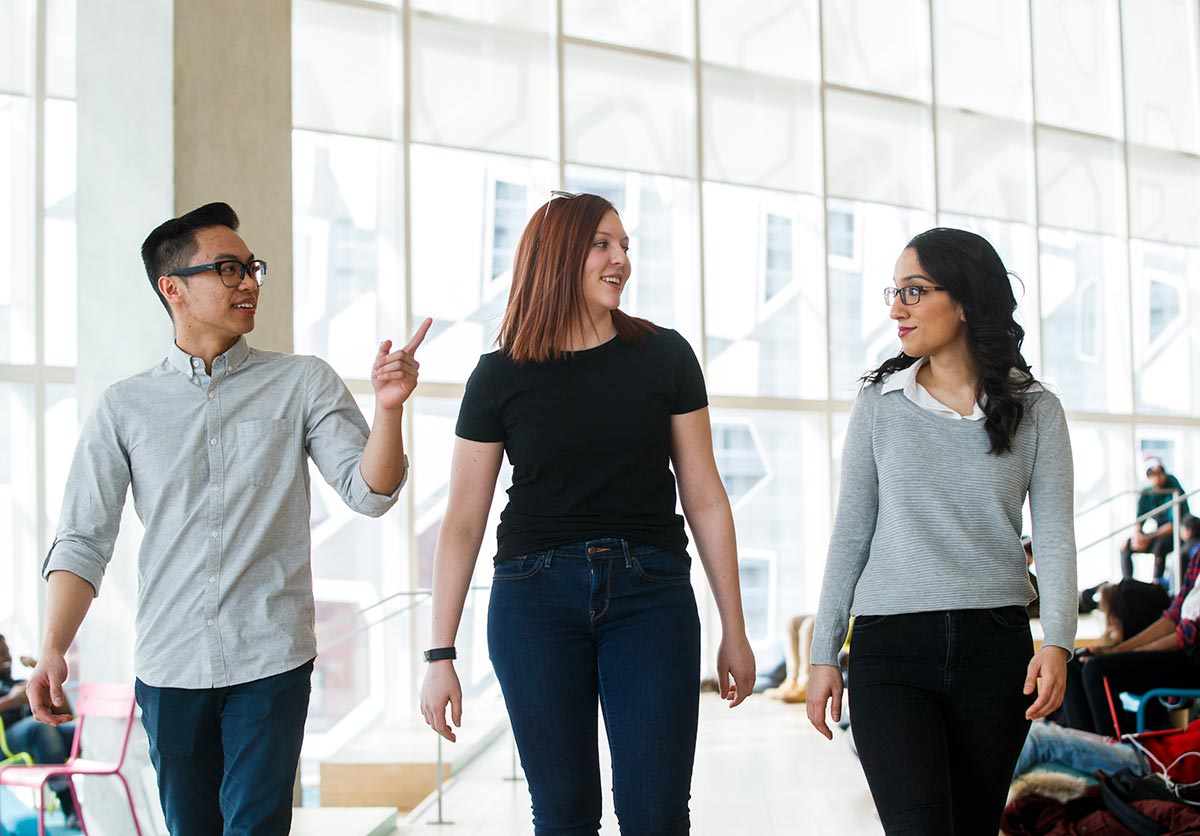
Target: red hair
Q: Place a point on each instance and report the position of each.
(545, 302)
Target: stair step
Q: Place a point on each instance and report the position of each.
(344, 821)
(394, 764)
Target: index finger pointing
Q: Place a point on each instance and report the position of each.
(419, 337)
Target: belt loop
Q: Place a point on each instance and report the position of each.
(625, 549)
(549, 558)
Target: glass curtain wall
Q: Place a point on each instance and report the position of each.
(38, 422)
(769, 160)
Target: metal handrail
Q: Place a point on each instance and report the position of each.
(1104, 502)
(379, 603)
(1178, 499)
(326, 645)
(422, 595)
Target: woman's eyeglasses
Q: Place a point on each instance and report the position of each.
(909, 295)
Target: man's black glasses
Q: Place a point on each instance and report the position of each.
(230, 271)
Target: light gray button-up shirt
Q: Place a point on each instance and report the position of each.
(220, 482)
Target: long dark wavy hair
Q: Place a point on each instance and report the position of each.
(969, 268)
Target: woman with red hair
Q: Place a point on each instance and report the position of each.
(592, 599)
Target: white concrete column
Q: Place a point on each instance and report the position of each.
(233, 134)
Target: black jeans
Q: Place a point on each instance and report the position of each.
(1160, 547)
(939, 715)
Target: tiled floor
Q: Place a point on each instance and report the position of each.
(760, 769)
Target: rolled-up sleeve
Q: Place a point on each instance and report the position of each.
(335, 434)
(94, 497)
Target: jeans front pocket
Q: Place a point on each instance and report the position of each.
(1010, 618)
(520, 568)
(865, 622)
(662, 566)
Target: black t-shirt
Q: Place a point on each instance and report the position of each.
(589, 439)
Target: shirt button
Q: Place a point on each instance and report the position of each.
(216, 488)
(212, 578)
(211, 395)
(210, 622)
(195, 361)
(212, 442)
(216, 534)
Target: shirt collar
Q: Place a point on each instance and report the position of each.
(188, 365)
(902, 378)
(905, 380)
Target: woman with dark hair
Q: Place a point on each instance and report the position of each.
(591, 598)
(945, 442)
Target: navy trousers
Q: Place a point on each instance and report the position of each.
(226, 757)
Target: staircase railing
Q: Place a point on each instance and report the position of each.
(1177, 499)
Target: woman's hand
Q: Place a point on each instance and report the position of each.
(824, 685)
(441, 687)
(1048, 674)
(1097, 650)
(735, 659)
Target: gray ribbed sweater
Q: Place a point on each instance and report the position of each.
(927, 519)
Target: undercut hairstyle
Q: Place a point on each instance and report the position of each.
(969, 268)
(546, 300)
(172, 244)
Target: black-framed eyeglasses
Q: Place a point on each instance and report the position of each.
(231, 271)
(909, 295)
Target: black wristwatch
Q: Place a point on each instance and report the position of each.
(437, 654)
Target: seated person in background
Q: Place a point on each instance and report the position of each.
(1161, 541)
(45, 744)
(1129, 607)
(1087, 752)
(796, 647)
(1164, 655)
(1189, 536)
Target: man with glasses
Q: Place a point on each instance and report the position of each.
(214, 442)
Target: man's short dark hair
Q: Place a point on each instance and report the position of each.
(173, 243)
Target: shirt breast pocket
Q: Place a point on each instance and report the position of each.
(265, 450)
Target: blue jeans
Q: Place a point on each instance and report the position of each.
(1082, 751)
(939, 715)
(603, 621)
(45, 744)
(226, 757)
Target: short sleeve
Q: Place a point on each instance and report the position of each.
(479, 414)
(690, 392)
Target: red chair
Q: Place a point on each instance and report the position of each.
(94, 700)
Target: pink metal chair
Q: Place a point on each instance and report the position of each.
(94, 700)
